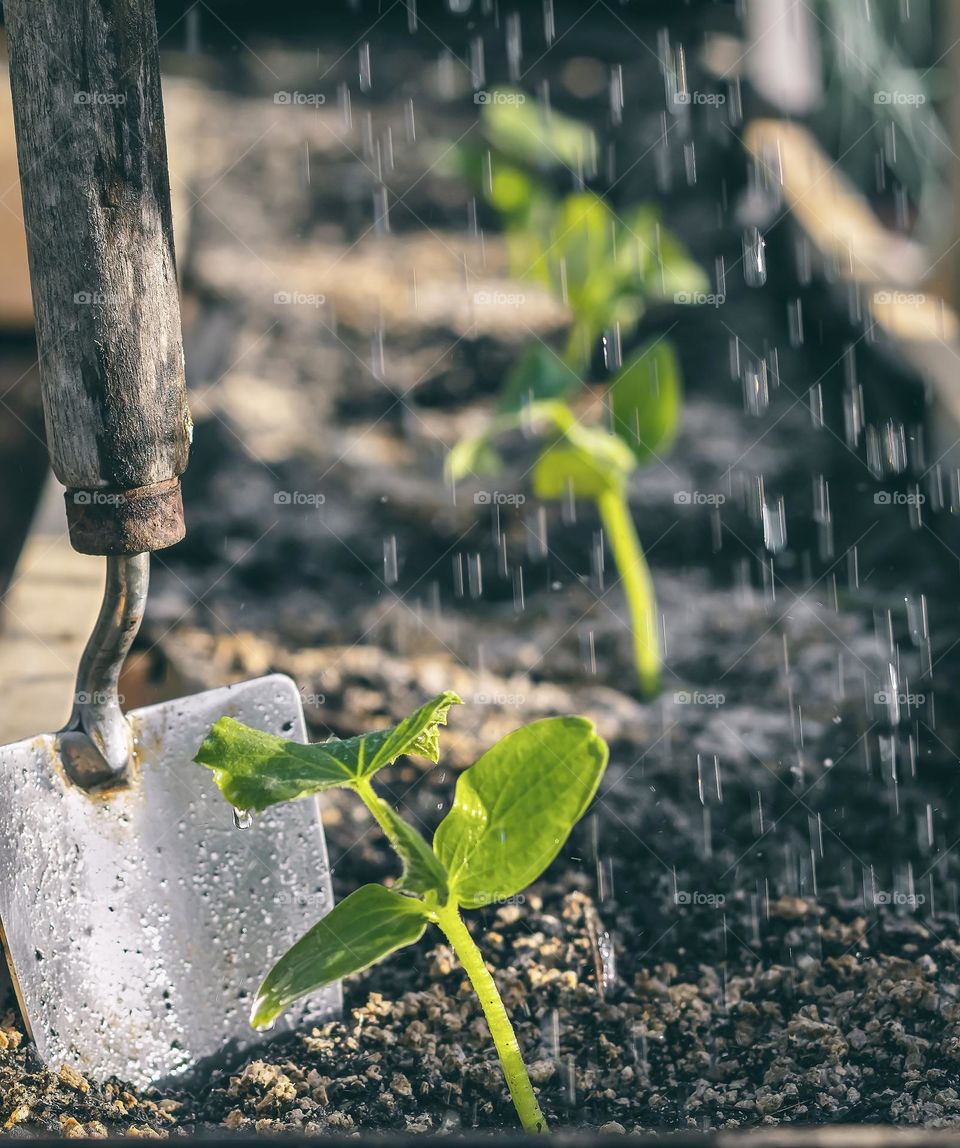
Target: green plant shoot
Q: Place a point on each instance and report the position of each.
(512, 812)
(605, 266)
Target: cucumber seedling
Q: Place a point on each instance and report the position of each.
(512, 811)
(606, 266)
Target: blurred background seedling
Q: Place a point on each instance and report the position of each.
(606, 267)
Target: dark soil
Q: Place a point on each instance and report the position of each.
(757, 922)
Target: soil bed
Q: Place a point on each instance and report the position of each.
(757, 923)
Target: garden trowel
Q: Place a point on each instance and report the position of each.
(138, 912)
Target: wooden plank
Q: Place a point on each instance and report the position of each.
(48, 614)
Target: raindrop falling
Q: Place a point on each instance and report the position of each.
(549, 22)
(774, 525)
(756, 384)
(795, 322)
(514, 47)
(754, 257)
(478, 71)
(475, 575)
(192, 30)
(616, 93)
(390, 570)
(365, 74)
(343, 102)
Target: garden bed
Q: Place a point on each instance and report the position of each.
(757, 923)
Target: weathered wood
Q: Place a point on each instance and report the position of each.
(87, 106)
(46, 617)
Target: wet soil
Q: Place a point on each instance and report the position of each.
(757, 922)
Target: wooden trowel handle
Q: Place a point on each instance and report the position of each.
(85, 76)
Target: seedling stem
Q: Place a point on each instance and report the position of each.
(628, 555)
(504, 1038)
(450, 922)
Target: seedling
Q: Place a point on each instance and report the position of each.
(512, 811)
(605, 266)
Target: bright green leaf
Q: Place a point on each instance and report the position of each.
(515, 807)
(534, 134)
(364, 928)
(585, 463)
(582, 244)
(539, 375)
(255, 770)
(509, 190)
(646, 400)
(419, 734)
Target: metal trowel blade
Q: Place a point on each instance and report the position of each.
(138, 922)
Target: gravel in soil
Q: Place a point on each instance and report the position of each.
(867, 1032)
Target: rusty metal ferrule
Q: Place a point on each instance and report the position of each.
(125, 522)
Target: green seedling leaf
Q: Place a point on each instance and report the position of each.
(646, 400)
(364, 928)
(599, 266)
(656, 262)
(419, 734)
(254, 770)
(472, 456)
(515, 807)
(677, 277)
(476, 455)
(531, 133)
(586, 462)
(582, 245)
(539, 375)
(509, 189)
